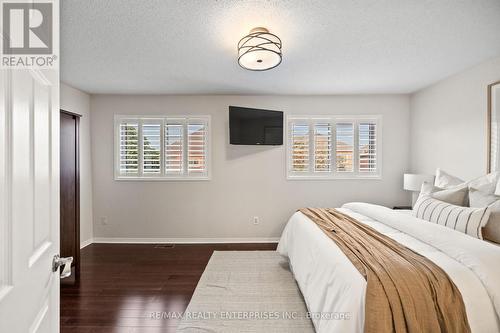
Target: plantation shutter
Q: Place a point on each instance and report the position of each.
(151, 147)
(162, 148)
(367, 147)
(129, 148)
(174, 147)
(322, 147)
(333, 147)
(344, 147)
(197, 146)
(299, 136)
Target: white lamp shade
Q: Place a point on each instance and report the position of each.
(413, 182)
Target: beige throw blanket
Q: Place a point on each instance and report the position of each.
(406, 292)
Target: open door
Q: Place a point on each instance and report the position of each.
(29, 201)
(29, 168)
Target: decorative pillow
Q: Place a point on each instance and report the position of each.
(464, 219)
(428, 188)
(445, 180)
(484, 188)
(455, 195)
(477, 198)
(486, 183)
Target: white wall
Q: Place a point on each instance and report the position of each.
(76, 101)
(246, 181)
(448, 123)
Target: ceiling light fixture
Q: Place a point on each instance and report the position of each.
(260, 50)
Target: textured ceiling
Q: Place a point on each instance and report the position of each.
(329, 47)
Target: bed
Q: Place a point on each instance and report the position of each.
(334, 290)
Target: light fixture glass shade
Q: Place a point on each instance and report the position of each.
(260, 50)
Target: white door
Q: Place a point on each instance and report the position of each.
(29, 200)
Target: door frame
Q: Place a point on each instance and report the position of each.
(77, 190)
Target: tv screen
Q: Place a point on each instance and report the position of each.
(255, 127)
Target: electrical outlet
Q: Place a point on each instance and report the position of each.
(104, 220)
(256, 220)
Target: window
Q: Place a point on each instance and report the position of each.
(162, 148)
(333, 147)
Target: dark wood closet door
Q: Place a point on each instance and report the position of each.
(70, 191)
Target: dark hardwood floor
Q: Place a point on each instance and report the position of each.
(121, 285)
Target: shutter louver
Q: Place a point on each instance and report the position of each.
(300, 147)
(174, 148)
(129, 148)
(197, 157)
(345, 147)
(367, 147)
(322, 147)
(151, 149)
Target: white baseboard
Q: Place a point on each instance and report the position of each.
(86, 243)
(115, 240)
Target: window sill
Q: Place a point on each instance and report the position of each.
(352, 177)
(161, 179)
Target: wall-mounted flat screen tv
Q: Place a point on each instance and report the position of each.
(249, 126)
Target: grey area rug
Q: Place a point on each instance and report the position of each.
(246, 291)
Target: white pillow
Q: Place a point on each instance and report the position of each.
(486, 183)
(456, 195)
(445, 180)
(464, 219)
(428, 188)
(485, 188)
(477, 198)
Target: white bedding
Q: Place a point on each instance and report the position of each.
(330, 283)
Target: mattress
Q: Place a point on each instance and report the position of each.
(334, 290)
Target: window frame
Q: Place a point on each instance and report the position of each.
(162, 176)
(333, 174)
